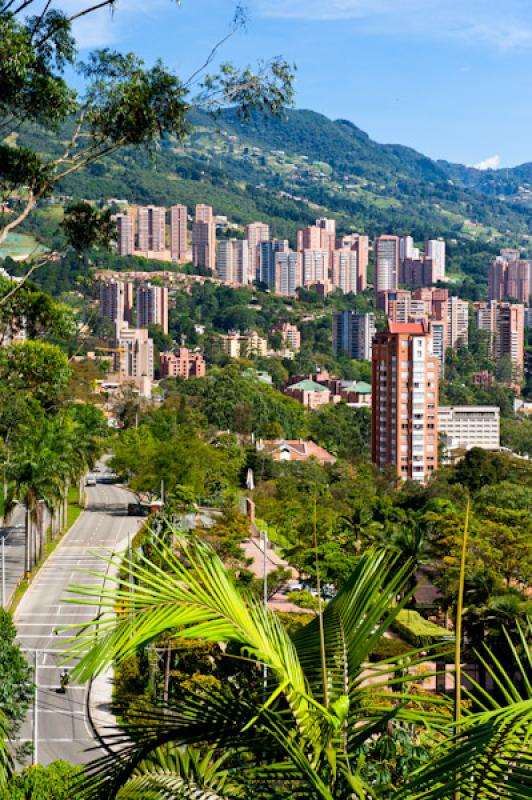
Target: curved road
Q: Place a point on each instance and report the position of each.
(63, 730)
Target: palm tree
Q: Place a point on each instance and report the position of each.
(490, 755)
(299, 735)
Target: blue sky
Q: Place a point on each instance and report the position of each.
(452, 78)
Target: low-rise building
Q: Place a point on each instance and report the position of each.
(309, 393)
(247, 345)
(184, 363)
(470, 426)
(295, 450)
(356, 392)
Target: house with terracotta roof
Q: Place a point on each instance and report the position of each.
(295, 450)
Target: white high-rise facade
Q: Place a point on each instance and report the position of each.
(435, 249)
(232, 262)
(386, 263)
(256, 232)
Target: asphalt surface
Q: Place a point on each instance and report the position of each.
(13, 551)
(63, 729)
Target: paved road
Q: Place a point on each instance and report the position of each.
(63, 730)
(14, 551)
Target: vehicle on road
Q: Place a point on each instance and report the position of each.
(90, 480)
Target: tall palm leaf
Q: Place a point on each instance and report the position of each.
(297, 727)
(490, 756)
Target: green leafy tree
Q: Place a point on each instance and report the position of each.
(16, 685)
(36, 368)
(122, 103)
(54, 782)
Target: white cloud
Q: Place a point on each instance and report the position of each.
(505, 26)
(105, 26)
(493, 162)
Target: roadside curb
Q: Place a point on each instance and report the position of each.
(100, 691)
(62, 539)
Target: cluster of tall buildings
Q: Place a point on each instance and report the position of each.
(448, 317)
(399, 262)
(132, 346)
(319, 260)
(510, 276)
(142, 231)
(151, 306)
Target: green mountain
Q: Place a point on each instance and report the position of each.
(288, 171)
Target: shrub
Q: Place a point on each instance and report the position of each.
(389, 648)
(412, 627)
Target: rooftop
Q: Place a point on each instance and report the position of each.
(308, 386)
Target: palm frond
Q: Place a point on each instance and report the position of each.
(488, 759)
(6, 761)
(187, 774)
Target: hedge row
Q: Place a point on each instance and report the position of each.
(412, 627)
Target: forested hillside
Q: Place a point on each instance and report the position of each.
(287, 171)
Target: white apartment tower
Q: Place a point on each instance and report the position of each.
(288, 273)
(256, 232)
(386, 263)
(435, 249)
(232, 262)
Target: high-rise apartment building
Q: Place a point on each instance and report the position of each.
(116, 300)
(353, 334)
(151, 229)
(435, 250)
(345, 271)
(457, 323)
(395, 303)
(204, 245)
(417, 271)
(386, 262)
(134, 359)
(288, 273)
(232, 263)
(125, 229)
(405, 401)
(152, 306)
(360, 245)
(256, 232)
(178, 232)
(266, 268)
(328, 233)
(204, 213)
(407, 249)
(316, 269)
(509, 278)
(309, 238)
(504, 322)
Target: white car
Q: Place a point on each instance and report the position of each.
(90, 480)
